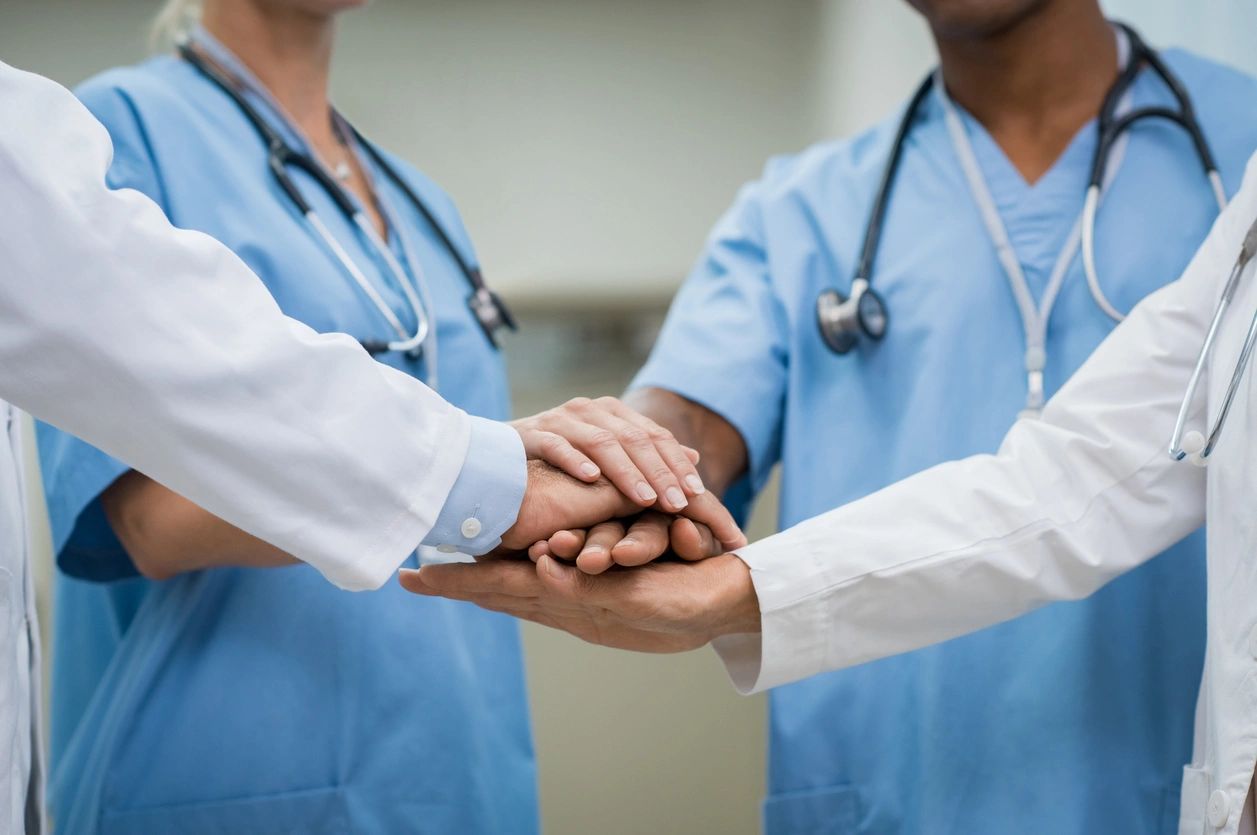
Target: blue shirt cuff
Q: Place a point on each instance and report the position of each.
(485, 500)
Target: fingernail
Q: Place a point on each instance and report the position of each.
(645, 493)
(592, 549)
(589, 470)
(676, 498)
(628, 540)
(549, 566)
(696, 484)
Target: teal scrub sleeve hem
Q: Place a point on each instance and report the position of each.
(75, 475)
(485, 500)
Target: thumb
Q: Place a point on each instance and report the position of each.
(563, 581)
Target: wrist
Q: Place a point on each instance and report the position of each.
(737, 603)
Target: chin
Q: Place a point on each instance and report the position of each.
(326, 7)
(975, 18)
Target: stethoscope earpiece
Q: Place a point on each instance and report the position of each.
(1193, 447)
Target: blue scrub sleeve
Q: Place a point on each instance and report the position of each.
(76, 473)
(485, 500)
(724, 344)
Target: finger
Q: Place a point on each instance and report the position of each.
(666, 447)
(411, 582)
(562, 583)
(538, 549)
(567, 545)
(557, 451)
(693, 455)
(597, 437)
(595, 557)
(515, 578)
(692, 541)
(646, 540)
(567, 590)
(707, 510)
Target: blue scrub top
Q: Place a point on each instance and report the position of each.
(1077, 718)
(240, 700)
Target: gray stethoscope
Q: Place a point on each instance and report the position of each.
(844, 319)
(490, 311)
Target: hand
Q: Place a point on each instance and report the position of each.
(662, 607)
(649, 537)
(553, 501)
(592, 438)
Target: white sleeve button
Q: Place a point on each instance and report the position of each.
(1219, 809)
(447, 549)
(471, 528)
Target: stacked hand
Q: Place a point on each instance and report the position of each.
(610, 489)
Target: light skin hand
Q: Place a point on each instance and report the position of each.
(661, 607)
(166, 535)
(604, 437)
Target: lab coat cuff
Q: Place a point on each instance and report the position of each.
(484, 502)
(792, 642)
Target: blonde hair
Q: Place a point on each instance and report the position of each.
(173, 23)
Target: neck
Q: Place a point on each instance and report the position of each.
(1035, 84)
(289, 51)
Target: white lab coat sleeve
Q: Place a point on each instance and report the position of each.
(1070, 501)
(160, 347)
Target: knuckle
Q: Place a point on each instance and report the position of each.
(603, 439)
(660, 435)
(578, 404)
(607, 402)
(552, 444)
(635, 437)
(661, 473)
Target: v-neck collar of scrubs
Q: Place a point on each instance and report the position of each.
(1021, 199)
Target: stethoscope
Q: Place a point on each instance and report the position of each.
(1193, 445)
(488, 308)
(844, 319)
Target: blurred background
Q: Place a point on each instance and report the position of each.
(590, 145)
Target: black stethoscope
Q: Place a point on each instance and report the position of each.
(488, 308)
(844, 319)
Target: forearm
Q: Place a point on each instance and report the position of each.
(724, 457)
(166, 535)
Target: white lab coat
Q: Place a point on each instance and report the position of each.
(161, 348)
(1070, 502)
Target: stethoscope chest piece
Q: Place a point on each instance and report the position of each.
(844, 319)
(491, 312)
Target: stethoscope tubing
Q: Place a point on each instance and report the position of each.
(279, 156)
(1112, 128)
(1202, 447)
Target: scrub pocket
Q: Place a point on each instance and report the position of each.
(316, 812)
(834, 810)
(1192, 801)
